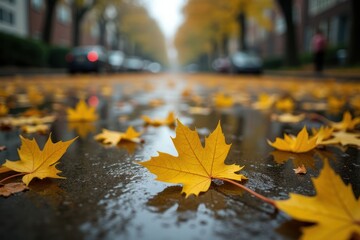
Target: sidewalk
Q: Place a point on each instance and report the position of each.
(347, 74)
(14, 71)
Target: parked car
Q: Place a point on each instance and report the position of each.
(133, 64)
(87, 59)
(246, 62)
(222, 65)
(116, 61)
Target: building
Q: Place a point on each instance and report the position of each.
(13, 17)
(331, 16)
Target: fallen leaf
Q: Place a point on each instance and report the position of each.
(113, 137)
(221, 100)
(41, 128)
(264, 102)
(4, 169)
(347, 123)
(300, 170)
(20, 121)
(169, 120)
(11, 188)
(286, 105)
(36, 163)
(156, 102)
(323, 133)
(195, 166)
(334, 208)
(3, 110)
(299, 144)
(288, 118)
(82, 112)
(200, 110)
(335, 103)
(344, 138)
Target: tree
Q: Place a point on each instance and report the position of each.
(80, 8)
(354, 44)
(48, 21)
(291, 52)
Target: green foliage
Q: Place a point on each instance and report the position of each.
(21, 52)
(56, 56)
(273, 63)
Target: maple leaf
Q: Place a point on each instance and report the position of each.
(347, 123)
(36, 163)
(221, 100)
(169, 120)
(195, 166)
(11, 188)
(82, 112)
(322, 133)
(41, 128)
(265, 101)
(344, 138)
(301, 143)
(288, 118)
(300, 170)
(334, 208)
(335, 103)
(113, 137)
(286, 105)
(3, 110)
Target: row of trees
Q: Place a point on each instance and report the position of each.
(209, 24)
(132, 23)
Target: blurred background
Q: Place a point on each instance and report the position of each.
(176, 35)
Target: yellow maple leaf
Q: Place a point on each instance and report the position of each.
(286, 105)
(347, 123)
(334, 209)
(323, 133)
(82, 112)
(265, 101)
(113, 137)
(221, 100)
(288, 117)
(301, 143)
(169, 120)
(41, 128)
(195, 166)
(344, 138)
(3, 110)
(335, 103)
(36, 163)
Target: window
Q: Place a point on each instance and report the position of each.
(37, 4)
(63, 13)
(7, 16)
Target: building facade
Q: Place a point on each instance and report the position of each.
(13, 17)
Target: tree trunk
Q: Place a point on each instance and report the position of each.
(354, 40)
(102, 31)
(48, 21)
(291, 53)
(242, 31)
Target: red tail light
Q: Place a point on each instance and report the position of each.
(69, 57)
(92, 56)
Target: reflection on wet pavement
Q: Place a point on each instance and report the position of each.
(107, 195)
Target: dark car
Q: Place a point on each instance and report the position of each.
(246, 62)
(87, 59)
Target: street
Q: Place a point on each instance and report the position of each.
(107, 194)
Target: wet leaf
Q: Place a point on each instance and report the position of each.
(221, 100)
(347, 123)
(264, 102)
(3, 110)
(41, 128)
(81, 113)
(113, 137)
(169, 120)
(195, 166)
(323, 133)
(343, 138)
(288, 118)
(11, 188)
(300, 170)
(21, 121)
(334, 208)
(301, 143)
(285, 105)
(82, 128)
(36, 163)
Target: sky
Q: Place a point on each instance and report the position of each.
(167, 13)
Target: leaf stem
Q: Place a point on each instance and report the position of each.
(12, 176)
(265, 199)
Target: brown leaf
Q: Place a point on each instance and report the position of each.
(11, 188)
